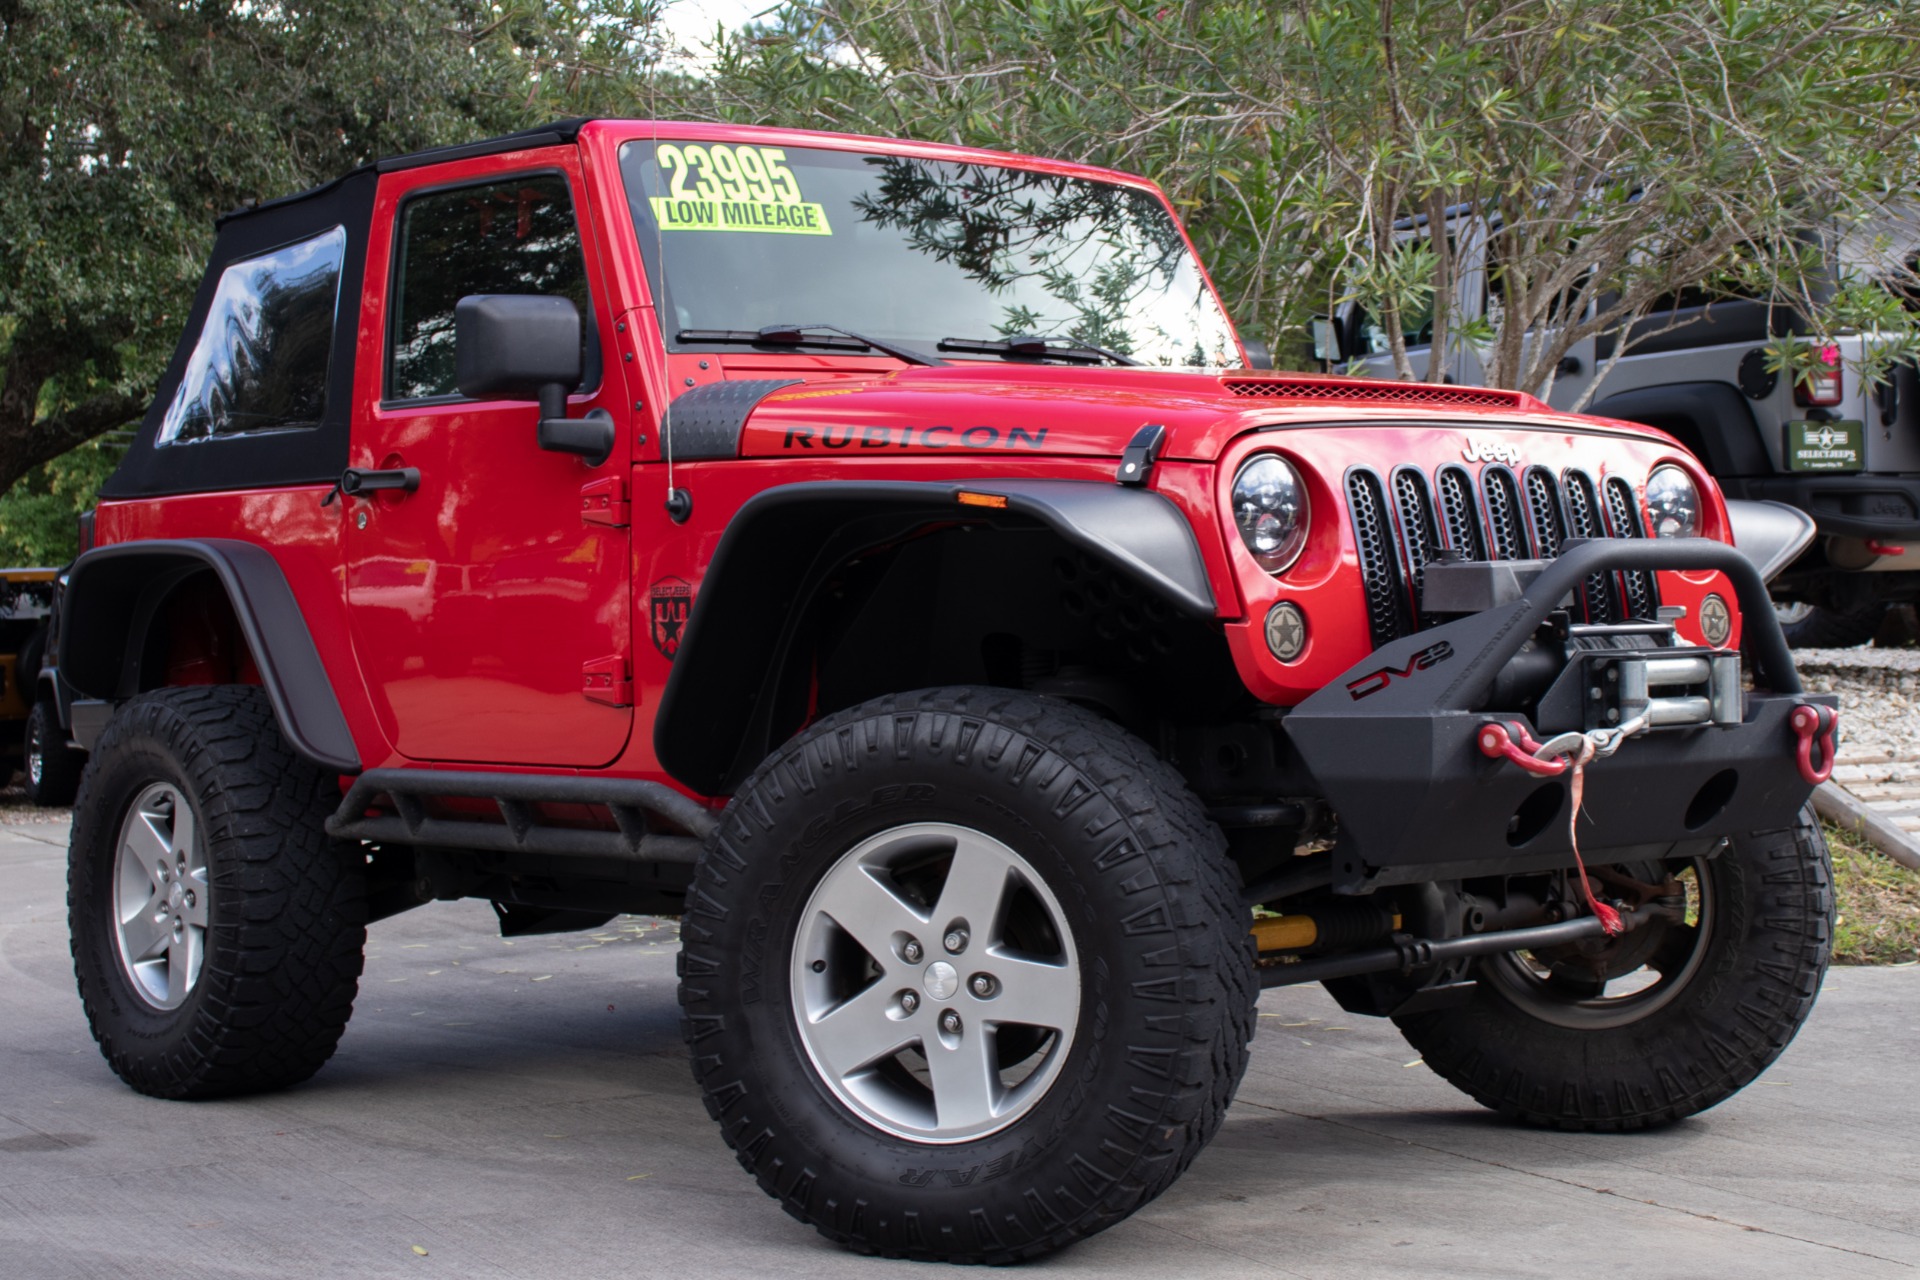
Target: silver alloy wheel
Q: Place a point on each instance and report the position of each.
(36, 757)
(1792, 611)
(910, 1012)
(1650, 981)
(160, 896)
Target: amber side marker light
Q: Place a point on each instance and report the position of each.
(969, 499)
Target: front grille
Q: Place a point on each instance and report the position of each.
(1598, 593)
(1506, 533)
(1389, 607)
(1459, 513)
(1638, 592)
(1543, 505)
(1402, 527)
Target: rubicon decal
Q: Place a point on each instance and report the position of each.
(1374, 681)
(671, 600)
(883, 437)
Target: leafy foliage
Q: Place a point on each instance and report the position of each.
(1616, 151)
(127, 126)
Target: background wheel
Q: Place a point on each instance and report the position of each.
(1667, 1021)
(1809, 626)
(217, 931)
(52, 767)
(965, 976)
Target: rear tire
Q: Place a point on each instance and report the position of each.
(217, 931)
(1816, 627)
(1079, 826)
(52, 767)
(1633, 1062)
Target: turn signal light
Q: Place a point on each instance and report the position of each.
(968, 499)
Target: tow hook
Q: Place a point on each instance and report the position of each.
(1813, 724)
(1511, 741)
(1575, 750)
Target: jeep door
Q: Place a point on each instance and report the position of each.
(490, 620)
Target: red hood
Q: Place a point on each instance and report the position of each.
(1094, 412)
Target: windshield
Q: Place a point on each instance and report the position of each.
(915, 251)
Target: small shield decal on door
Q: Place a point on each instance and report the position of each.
(672, 600)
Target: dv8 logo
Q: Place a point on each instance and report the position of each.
(1374, 681)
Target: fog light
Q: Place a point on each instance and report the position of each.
(1286, 631)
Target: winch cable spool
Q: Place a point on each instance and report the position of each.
(1550, 759)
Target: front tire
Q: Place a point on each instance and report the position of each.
(217, 931)
(1029, 931)
(1556, 1043)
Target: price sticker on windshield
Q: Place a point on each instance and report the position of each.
(726, 188)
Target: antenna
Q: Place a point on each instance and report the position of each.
(679, 502)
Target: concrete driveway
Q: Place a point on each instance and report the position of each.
(524, 1109)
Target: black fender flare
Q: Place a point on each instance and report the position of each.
(710, 729)
(115, 592)
(1712, 418)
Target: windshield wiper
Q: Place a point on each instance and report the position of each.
(795, 335)
(1026, 344)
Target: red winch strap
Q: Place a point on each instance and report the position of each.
(1608, 917)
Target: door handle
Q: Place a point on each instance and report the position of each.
(355, 481)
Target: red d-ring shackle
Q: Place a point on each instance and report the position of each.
(1498, 741)
(1811, 724)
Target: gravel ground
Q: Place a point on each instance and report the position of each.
(1879, 694)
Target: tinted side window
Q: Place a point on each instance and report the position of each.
(260, 363)
(513, 236)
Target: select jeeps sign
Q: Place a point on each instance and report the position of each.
(1825, 446)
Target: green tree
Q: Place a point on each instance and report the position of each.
(1619, 151)
(127, 126)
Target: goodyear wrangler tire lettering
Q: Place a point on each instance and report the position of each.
(1161, 1032)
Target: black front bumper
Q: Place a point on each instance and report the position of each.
(1399, 761)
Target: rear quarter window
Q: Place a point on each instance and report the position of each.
(260, 362)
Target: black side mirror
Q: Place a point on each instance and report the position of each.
(518, 346)
(1327, 346)
(1258, 356)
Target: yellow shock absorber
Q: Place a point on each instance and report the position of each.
(1284, 933)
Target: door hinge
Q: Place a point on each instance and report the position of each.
(605, 502)
(605, 680)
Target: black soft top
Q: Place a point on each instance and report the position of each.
(315, 455)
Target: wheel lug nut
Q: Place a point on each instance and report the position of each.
(818, 966)
(982, 985)
(950, 1023)
(909, 1002)
(910, 951)
(956, 940)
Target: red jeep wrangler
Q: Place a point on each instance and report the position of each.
(885, 558)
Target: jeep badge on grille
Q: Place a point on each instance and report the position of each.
(1490, 451)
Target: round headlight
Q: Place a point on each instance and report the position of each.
(1673, 502)
(1270, 509)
